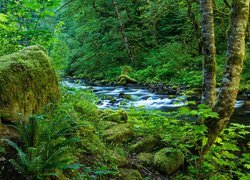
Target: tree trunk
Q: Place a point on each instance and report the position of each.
(232, 75)
(208, 50)
(195, 24)
(122, 31)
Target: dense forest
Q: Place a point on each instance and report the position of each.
(124, 89)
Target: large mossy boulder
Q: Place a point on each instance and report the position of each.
(168, 160)
(28, 82)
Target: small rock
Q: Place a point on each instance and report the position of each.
(146, 158)
(119, 116)
(125, 96)
(119, 133)
(247, 105)
(120, 158)
(147, 144)
(125, 79)
(130, 174)
(168, 160)
(2, 158)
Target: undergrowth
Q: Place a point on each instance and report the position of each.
(67, 141)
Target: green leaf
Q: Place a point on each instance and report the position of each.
(228, 155)
(74, 166)
(3, 18)
(247, 166)
(2, 149)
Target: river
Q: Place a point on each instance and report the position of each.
(115, 97)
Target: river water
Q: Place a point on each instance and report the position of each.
(115, 97)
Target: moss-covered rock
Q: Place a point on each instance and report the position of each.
(106, 124)
(119, 116)
(27, 83)
(119, 133)
(147, 144)
(146, 158)
(126, 96)
(7, 132)
(119, 156)
(247, 105)
(130, 174)
(168, 160)
(122, 81)
(90, 142)
(125, 79)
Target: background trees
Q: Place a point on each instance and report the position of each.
(26, 22)
(159, 33)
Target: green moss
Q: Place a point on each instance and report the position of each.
(107, 124)
(125, 79)
(122, 81)
(146, 158)
(130, 174)
(247, 105)
(168, 160)
(126, 96)
(119, 133)
(119, 156)
(147, 144)
(90, 142)
(119, 116)
(7, 132)
(27, 83)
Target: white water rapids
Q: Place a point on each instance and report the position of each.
(140, 97)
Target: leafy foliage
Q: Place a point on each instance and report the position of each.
(47, 146)
(224, 159)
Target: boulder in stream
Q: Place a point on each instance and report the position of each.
(28, 82)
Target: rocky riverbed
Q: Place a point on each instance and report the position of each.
(160, 97)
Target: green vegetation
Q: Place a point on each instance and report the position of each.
(66, 142)
(49, 131)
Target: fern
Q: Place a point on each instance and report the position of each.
(47, 146)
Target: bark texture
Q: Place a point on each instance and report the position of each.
(232, 75)
(208, 50)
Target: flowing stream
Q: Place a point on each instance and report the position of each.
(115, 97)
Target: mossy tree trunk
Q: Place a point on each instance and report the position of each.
(234, 63)
(208, 50)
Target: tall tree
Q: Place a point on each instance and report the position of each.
(208, 50)
(224, 105)
(122, 31)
